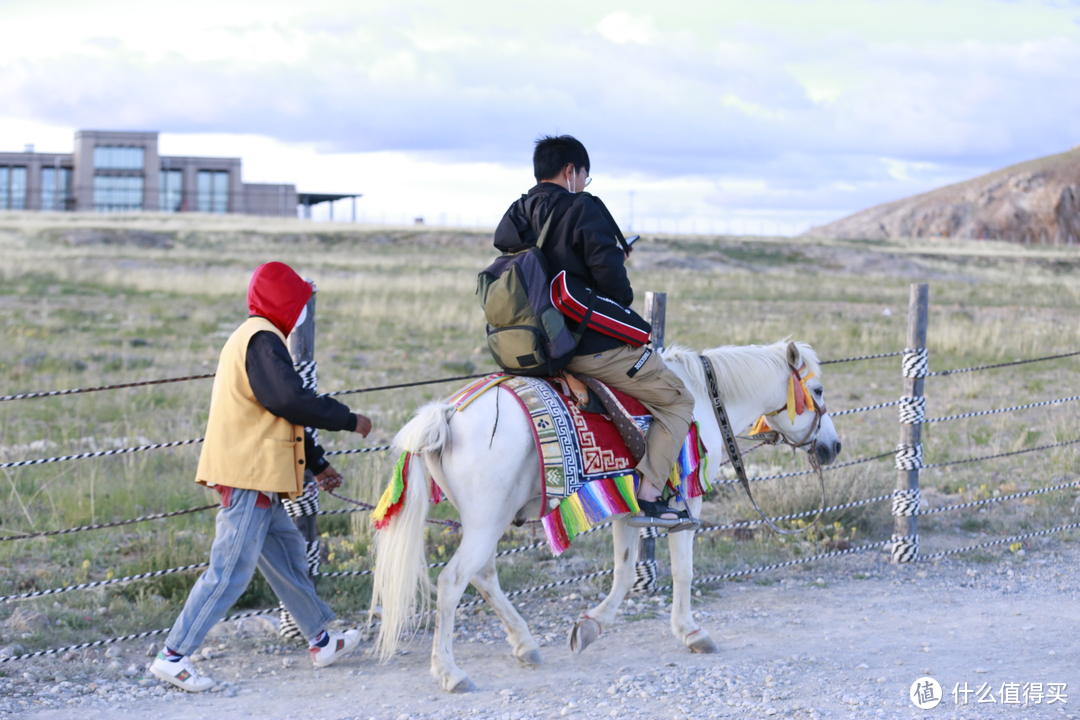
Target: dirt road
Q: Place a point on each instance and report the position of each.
(846, 639)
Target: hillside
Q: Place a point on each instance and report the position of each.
(1035, 202)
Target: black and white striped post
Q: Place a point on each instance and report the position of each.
(645, 570)
(304, 509)
(909, 453)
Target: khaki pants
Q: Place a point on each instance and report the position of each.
(656, 387)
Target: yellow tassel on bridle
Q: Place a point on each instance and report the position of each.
(761, 426)
(808, 400)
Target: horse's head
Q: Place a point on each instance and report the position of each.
(777, 385)
(803, 421)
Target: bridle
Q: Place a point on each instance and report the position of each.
(796, 387)
(795, 384)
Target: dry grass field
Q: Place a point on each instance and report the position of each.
(88, 300)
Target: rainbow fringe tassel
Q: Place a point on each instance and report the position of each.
(690, 473)
(600, 499)
(393, 497)
(593, 502)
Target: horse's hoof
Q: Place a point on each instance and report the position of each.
(532, 657)
(464, 685)
(584, 634)
(703, 646)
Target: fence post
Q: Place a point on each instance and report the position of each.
(303, 509)
(905, 539)
(645, 570)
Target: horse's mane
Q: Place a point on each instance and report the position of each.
(739, 368)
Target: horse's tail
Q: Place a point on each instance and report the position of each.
(401, 581)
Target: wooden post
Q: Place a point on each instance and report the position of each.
(303, 510)
(645, 568)
(655, 314)
(302, 338)
(905, 539)
(302, 350)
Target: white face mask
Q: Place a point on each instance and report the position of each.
(300, 320)
(573, 178)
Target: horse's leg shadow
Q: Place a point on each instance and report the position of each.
(517, 630)
(588, 628)
(477, 544)
(683, 626)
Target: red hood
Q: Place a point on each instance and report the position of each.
(278, 294)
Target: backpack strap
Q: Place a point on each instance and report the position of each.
(553, 219)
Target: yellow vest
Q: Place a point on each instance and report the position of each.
(246, 445)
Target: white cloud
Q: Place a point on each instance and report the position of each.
(622, 27)
(737, 107)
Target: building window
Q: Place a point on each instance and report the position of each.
(12, 188)
(56, 191)
(118, 193)
(115, 157)
(213, 191)
(171, 191)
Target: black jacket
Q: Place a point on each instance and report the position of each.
(583, 244)
(280, 389)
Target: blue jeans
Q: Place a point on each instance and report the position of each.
(247, 537)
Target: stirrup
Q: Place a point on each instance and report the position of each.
(691, 523)
(651, 510)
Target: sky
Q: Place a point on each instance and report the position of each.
(757, 116)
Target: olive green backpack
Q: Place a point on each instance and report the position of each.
(526, 333)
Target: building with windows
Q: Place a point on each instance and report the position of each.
(123, 172)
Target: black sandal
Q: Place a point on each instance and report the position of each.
(651, 512)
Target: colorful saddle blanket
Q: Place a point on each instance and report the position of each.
(585, 462)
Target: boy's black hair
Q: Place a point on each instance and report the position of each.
(552, 154)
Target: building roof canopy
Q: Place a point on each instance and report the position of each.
(316, 198)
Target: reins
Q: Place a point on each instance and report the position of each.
(368, 506)
(735, 457)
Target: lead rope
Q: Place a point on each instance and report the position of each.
(735, 457)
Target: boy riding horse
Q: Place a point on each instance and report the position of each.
(585, 244)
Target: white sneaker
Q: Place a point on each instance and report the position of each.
(180, 673)
(339, 645)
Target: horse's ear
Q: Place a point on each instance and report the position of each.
(794, 357)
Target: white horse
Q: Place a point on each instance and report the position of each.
(490, 472)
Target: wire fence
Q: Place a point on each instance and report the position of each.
(1014, 408)
(417, 383)
(797, 473)
(364, 507)
(1001, 365)
(981, 458)
(142, 383)
(99, 453)
(861, 357)
(123, 638)
(76, 391)
(1001, 541)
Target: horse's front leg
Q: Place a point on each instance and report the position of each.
(477, 548)
(589, 627)
(517, 630)
(681, 547)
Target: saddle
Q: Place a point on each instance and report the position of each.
(593, 396)
(587, 458)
